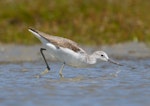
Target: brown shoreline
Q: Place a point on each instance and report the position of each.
(21, 53)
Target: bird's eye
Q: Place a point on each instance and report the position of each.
(102, 55)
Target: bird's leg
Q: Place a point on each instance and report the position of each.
(41, 50)
(60, 71)
(48, 68)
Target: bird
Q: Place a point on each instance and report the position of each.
(68, 52)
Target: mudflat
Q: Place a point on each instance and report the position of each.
(19, 53)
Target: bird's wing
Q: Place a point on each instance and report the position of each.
(60, 41)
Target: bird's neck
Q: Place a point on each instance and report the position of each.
(91, 59)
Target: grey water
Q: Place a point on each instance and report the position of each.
(103, 85)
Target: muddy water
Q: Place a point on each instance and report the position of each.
(103, 85)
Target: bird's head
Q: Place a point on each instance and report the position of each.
(101, 55)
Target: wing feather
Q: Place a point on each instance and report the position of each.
(60, 41)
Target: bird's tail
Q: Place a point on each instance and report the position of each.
(37, 35)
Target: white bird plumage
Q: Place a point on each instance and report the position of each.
(68, 52)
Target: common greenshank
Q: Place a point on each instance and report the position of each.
(68, 52)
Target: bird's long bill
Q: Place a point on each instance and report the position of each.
(112, 61)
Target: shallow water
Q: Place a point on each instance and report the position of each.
(103, 85)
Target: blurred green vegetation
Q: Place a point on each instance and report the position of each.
(91, 22)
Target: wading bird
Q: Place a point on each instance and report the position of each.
(68, 52)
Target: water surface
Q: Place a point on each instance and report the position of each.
(103, 85)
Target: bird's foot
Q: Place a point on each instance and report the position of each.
(42, 73)
(61, 75)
